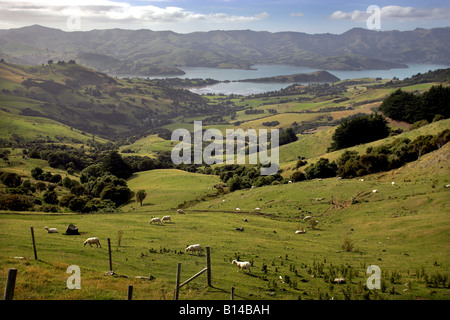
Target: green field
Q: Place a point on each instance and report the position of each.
(403, 228)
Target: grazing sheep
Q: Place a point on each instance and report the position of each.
(338, 280)
(447, 186)
(307, 218)
(257, 209)
(361, 179)
(237, 209)
(51, 230)
(91, 241)
(166, 218)
(374, 190)
(289, 181)
(156, 220)
(194, 248)
(300, 231)
(179, 211)
(242, 265)
(393, 183)
(320, 199)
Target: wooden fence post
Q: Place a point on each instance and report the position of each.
(232, 293)
(10, 284)
(177, 285)
(208, 266)
(34, 243)
(109, 253)
(130, 292)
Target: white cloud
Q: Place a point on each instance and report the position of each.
(395, 12)
(297, 14)
(106, 13)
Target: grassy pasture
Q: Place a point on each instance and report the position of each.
(403, 229)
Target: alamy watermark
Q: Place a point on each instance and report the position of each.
(374, 21)
(256, 144)
(74, 281)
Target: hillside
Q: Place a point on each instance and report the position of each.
(318, 76)
(152, 52)
(91, 101)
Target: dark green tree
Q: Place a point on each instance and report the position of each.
(116, 165)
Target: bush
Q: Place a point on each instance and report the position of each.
(321, 169)
(15, 202)
(50, 197)
(10, 179)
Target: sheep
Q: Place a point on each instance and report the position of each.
(393, 183)
(300, 231)
(180, 211)
(194, 248)
(166, 218)
(240, 229)
(374, 190)
(447, 186)
(155, 220)
(319, 199)
(361, 179)
(93, 240)
(257, 209)
(237, 209)
(242, 265)
(51, 230)
(307, 218)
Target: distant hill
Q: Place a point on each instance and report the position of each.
(318, 76)
(91, 101)
(147, 52)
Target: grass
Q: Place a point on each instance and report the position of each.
(401, 229)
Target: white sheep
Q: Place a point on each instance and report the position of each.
(300, 231)
(257, 209)
(91, 241)
(194, 248)
(393, 183)
(155, 220)
(179, 211)
(237, 209)
(51, 230)
(307, 218)
(242, 265)
(166, 218)
(374, 190)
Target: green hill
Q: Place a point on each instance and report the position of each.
(91, 101)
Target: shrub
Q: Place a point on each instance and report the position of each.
(347, 245)
(50, 197)
(15, 202)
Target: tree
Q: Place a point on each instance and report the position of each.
(114, 164)
(140, 196)
(359, 130)
(37, 173)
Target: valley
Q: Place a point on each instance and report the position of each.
(73, 121)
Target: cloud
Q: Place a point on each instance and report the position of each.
(297, 14)
(395, 12)
(111, 12)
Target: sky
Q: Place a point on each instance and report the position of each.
(185, 16)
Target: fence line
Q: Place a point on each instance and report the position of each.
(207, 270)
